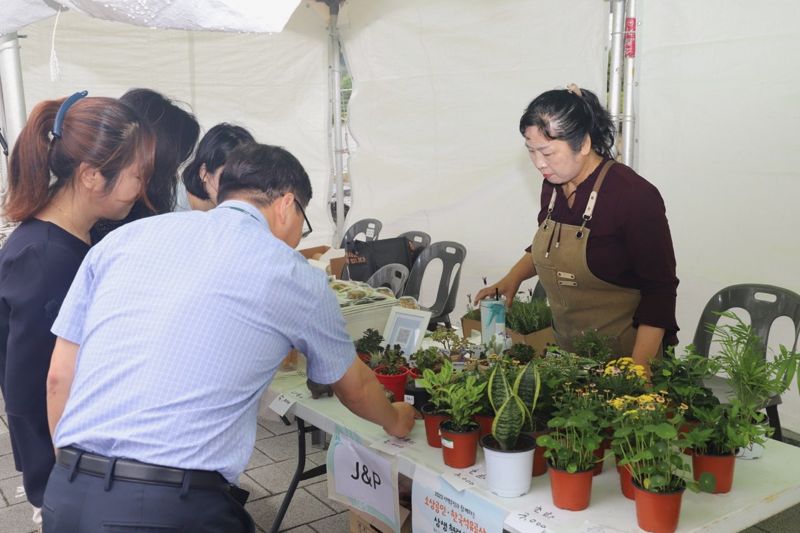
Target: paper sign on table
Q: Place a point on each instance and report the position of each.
(438, 507)
(465, 479)
(539, 519)
(363, 478)
(285, 401)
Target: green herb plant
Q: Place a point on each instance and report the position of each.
(437, 384)
(369, 342)
(391, 361)
(528, 315)
(463, 400)
(575, 430)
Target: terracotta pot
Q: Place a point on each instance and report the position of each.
(720, 466)
(485, 423)
(394, 383)
(599, 454)
(657, 512)
(432, 421)
(625, 481)
(539, 460)
(570, 491)
(459, 448)
(365, 357)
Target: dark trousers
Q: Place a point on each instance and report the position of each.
(84, 505)
(33, 453)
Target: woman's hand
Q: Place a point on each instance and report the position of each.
(505, 287)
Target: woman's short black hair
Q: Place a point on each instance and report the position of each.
(569, 116)
(263, 173)
(213, 152)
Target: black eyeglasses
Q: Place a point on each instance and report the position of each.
(306, 225)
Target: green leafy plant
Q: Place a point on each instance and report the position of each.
(513, 404)
(723, 428)
(521, 352)
(575, 430)
(454, 345)
(594, 345)
(647, 441)
(369, 342)
(436, 383)
(559, 371)
(528, 315)
(391, 360)
(681, 380)
(430, 358)
(463, 400)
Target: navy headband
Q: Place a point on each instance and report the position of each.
(58, 125)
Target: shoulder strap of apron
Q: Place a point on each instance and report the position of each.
(587, 214)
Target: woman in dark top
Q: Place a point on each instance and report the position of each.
(176, 132)
(603, 251)
(201, 176)
(99, 155)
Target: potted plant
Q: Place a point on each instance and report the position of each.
(459, 434)
(434, 412)
(648, 444)
(471, 321)
(424, 358)
(369, 343)
(521, 352)
(508, 450)
(681, 379)
(529, 321)
(392, 371)
(455, 347)
(722, 429)
(594, 345)
(574, 436)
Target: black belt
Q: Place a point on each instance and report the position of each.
(130, 470)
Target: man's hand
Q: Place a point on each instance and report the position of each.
(404, 420)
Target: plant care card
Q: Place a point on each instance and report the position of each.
(363, 478)
(438, 507)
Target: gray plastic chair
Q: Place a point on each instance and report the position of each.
(452, 255)
(393, 275)
(763, 312)
(418, 239)
(369, 227)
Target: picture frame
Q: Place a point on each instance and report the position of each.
(406, 327)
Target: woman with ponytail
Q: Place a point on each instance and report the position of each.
(603, 251)
(76, 161)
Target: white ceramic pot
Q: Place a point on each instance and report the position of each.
(508, 473)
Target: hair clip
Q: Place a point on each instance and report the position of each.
(574, 89)
(58, 125)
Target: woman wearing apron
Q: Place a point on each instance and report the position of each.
(603, 251)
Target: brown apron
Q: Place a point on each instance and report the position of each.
(579, 300)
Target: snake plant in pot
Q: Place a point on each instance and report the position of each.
(508, 449)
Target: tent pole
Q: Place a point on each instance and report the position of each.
(615, 68)
(335, 92)
(628, 118)
(11, 87)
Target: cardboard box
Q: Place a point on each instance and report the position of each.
(469, 325)
(538, 339)
(314, 252)
(364, 523)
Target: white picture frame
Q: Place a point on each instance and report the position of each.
(406, 327)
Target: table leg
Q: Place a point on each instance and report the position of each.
(300, 472)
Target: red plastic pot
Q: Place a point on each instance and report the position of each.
(485, 423)
(657, 512)
(432, 421)
(365, 357)
(539, 460)
(395, 383)
(720, 466)
(625, 482)
(599, 454)
(459, 448)
(570, 491)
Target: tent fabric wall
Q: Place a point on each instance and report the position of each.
(438, 90)
(718, 114)
(273, 84)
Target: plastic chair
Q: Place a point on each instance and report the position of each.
(418, 239)
(775, 302)
(370, 227)
(393, 275)
(452, 255)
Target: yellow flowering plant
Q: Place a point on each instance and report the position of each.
(621, 377)
(647, 441)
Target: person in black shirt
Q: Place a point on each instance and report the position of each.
(76, 161)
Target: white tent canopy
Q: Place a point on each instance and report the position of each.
(439, 86)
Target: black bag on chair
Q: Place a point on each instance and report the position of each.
(364, 258)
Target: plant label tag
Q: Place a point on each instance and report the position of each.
(464, 479)
(285, 401)
(409, 398)
(447, 443)
(392, 445)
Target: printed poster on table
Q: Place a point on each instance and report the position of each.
(363, 478)
(437, 507)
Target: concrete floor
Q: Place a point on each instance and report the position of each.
(267, 478)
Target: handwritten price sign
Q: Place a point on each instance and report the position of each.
(285, 401)
(540, 519)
